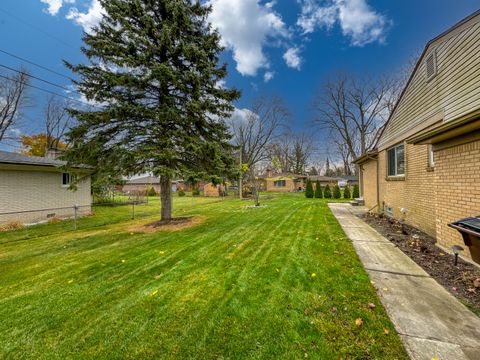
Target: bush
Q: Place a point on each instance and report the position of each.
(318, 190)
(181, 193)
(347, 193)
(327, 193)
(356, 191)
(337, 193)
(309, 190)
(12, 225)
(195, 192)
(151, 192)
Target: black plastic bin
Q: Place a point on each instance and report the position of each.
(470, 230)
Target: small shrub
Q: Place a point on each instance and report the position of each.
(309, 190)
(181, 193)
(337, 193)
(151, 192)
(347, 193)
(327, 193)
(356, 191)
(195, 192)
(318, 190)
(12, 225)
(54, 220)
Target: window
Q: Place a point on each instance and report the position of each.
(431, 156)
(67, 179)
(396, 160)
(279, 183)
(431, 66)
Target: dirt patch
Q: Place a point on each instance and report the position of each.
(462, 281)
(176, 224)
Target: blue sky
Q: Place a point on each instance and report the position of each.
(283, 47)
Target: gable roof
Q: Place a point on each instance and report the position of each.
(417, 65)
(146, 180)
(21, 159)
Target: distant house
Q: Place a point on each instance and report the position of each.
(34, 189)
(288, 182)
(142, 184)
(347, 180)
(425, 168)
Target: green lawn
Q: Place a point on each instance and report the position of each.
(240, 285)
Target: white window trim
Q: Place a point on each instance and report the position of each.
(396, 165)
(70, 176)
(431, 157)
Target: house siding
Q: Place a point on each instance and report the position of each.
(453, 92)
(33, 191)
(457, 189)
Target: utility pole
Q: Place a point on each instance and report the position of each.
(240, 180)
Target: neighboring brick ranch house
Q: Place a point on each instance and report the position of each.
(34, 189)
(287, 182)
(427, 160)
(142, 184)
(211, 190)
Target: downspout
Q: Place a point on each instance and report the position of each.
(378, 183)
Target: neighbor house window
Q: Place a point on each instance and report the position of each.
(279, 183)
(396, 160)
(67, 179)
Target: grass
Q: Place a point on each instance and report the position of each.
(277, 282)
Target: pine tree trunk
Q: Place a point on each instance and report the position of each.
(166, 198)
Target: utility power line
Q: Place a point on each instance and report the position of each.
(35, 64)
(45, 90)
(37, 78)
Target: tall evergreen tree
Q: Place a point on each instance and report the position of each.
(153, 67)
(327, 192)
(309, 190)
(337, 193)
(318, 190)
(356, 191)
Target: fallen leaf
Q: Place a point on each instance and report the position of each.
(277, 270)
(131, 234)
(385, 289)
(306, 311)
(313, 275)
(359, 322)
(154, 293)
(162, 252)
(476, 282)
(123, 261)
(70, 281)
(386, 331)
(371, 306)
(334, 310)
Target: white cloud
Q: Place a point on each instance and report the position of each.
(245, 26)
(356, 18)
(54, 6)
(292, 58)
(88, 19)
(268, 76)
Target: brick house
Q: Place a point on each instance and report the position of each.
(34, 189)
(427, 159)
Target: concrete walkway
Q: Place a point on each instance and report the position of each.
(431, 322)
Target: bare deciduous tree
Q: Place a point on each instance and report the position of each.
(354, 110)
(57, 121)
(262, 124)
(13, 95)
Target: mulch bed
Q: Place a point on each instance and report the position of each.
(462, 281)
(176, 224)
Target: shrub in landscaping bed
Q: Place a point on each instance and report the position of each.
(195, 192)
(346, 193)
(337, 193)
(151, 192)
(309, 190)
(318, 190)
(327, 193)
(181, 193)
(356, 191)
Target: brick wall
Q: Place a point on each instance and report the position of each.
(457, 187)
(414, 192)
(369, 187)
(36, 190)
